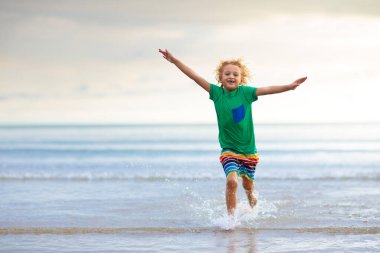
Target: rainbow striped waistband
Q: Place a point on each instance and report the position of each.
(249, 160)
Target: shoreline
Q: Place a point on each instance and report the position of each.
(182, 230)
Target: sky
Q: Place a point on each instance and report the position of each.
(97, 62)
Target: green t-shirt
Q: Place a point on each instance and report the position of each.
(234, 113)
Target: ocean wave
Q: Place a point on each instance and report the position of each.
(176, 177)
(183, 148)
(103, 177)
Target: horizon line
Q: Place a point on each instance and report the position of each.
(136, 124)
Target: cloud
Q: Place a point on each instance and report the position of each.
(141, 13)
(20, 96)
(101, 56)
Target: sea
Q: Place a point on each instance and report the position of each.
(161, 188)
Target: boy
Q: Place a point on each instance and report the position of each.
(232, 102)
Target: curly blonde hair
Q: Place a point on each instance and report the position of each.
(245, 74)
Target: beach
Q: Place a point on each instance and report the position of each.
(160, 188)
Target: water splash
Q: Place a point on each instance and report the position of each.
(213, 213)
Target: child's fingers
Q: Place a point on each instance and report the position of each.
(300, 80)
(164, 52)
(303, 79)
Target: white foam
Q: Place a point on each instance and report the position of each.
(214, 213)
(225, 222)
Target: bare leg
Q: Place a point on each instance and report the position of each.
(231, 190)
(249, 186)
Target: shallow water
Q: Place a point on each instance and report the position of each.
(161, 189)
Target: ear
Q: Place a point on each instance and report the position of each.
(220, 78)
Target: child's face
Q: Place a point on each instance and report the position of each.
(231, 77)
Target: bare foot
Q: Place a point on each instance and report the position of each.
(251, 199)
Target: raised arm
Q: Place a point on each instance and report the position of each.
(185, 69)
(279, 88)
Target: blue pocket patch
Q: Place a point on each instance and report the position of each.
(238, 113)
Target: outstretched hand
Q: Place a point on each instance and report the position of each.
(167, 55)
(297, 82)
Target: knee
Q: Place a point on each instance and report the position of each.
(232, 183)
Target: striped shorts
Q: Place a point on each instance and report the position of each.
(243, 164)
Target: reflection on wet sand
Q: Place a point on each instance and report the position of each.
(238, 240)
